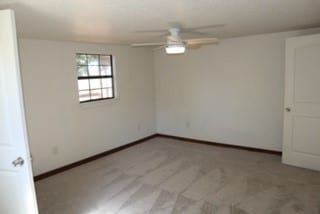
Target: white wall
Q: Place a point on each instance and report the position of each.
(229, 93)
(61, 130)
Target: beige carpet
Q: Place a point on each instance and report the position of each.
(170, 176)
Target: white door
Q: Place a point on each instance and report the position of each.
(17, 195)
(301, 146)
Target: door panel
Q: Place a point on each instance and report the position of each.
(301, 137)
(6, 185)
(306, 136)
(4, 132)
(17, 193)
(307, 74)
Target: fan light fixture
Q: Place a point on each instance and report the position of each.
(175, 49)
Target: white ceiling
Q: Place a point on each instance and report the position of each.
(116, 21)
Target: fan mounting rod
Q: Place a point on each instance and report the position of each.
(174, 31)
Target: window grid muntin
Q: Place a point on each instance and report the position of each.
(101, 77)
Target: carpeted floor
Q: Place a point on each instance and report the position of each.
(171, 176)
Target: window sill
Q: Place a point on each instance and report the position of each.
(98, 103)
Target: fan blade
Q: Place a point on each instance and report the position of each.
(193, 46)
(152, 31)
(160, 47)
(182, 29)
(201, 41)
(148, 44)
(202, 27)
(196, 33)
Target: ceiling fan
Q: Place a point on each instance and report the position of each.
(175, 44)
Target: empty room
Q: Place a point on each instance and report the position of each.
(160, 107)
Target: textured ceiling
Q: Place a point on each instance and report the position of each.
(116, 21)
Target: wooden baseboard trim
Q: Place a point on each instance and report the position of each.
(106, 153)
(191, 140)
(92, 158)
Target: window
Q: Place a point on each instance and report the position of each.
(95, 77)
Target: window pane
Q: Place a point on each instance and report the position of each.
(105, 60)
(95, 83)
(105, 70)
(82, 71)
(110, 94)
(93, 59)
(81, 59)
(84, 96)
(105, 93)
(96, 94)
(106, 83)
(83, 84)
(94, 70)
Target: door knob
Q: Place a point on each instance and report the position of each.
(18, 162)
(288, 109)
